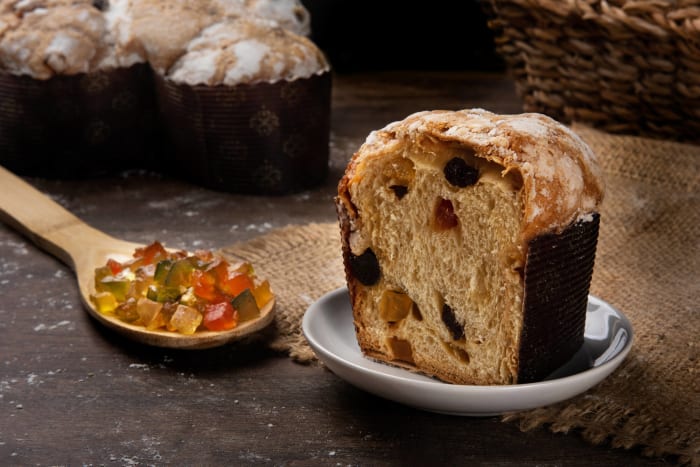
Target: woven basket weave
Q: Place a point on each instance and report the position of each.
(625, 66)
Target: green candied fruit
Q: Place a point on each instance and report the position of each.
(117, 286)
(162, 269)
(245, 305)
(104, 302)
(162, 294)
(180, 274)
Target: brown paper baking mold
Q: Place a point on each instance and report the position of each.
(262, 138)
(558, 275)
(79, 125)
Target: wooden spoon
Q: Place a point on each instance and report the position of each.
(83, 248)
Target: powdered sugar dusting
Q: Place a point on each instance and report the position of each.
(60, 50)
(249, 55)
(246, 51)
(530, 126)
(200, 67)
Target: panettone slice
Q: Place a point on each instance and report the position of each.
(469, 241)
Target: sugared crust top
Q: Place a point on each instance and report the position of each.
(247, 50)
(61, 38)
(235, 40)
(561, 178)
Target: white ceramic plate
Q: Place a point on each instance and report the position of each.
(329, 329)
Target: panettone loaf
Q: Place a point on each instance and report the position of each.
(469, 240)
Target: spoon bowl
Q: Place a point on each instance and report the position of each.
(84, 248)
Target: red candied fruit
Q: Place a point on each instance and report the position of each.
(114, 266)
(220, 317)
(445, 217)
(149, 253)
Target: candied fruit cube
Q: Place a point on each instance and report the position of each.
(138, 288)
(186, 319)
(151, 253)
(189, 298)
(180, 274)
(101, 273)
(117, 286)
(105, 302)
(127, 311)
(163, 294)
(245, 305)
(401, 350)
(262, 293)
(445, 217)
(232, 281)
(114, 266)
(162, 269)
(149, 313)
(394, 306)
(220, 316)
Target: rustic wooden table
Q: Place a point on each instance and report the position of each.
(72, 392)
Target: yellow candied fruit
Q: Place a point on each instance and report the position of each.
(149, 313)
(105, 302)
(186, 319)
(188, 298)
(262, 294)
(394, 306)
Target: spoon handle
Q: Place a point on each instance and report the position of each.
(45, 222)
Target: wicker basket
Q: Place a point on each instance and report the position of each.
(625, 66)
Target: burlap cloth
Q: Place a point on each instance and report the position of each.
(647, 266)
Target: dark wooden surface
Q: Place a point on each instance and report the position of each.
(73, 393)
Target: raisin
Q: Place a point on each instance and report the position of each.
(415, 311)
(450, 320)
(458, 173)
(101, 5)
(365, 267)
(445, 217)
(399, 190)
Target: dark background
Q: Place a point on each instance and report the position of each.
(376, 35)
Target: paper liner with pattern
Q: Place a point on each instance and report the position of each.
(262, 138)
(558, 275)
(79, 125)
